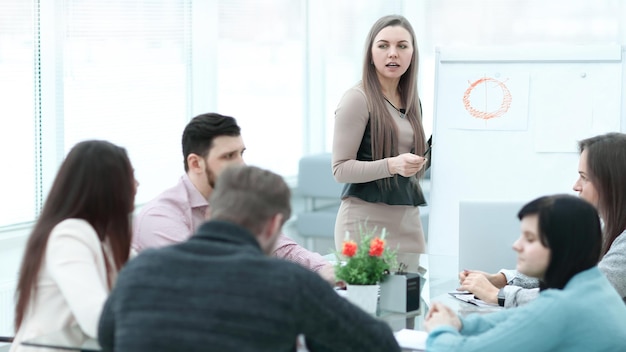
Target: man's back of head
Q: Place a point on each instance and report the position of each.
(256, 199)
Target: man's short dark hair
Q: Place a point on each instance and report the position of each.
(200, 132)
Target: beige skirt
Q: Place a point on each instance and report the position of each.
(402, 223)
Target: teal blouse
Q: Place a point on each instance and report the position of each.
(587, 315)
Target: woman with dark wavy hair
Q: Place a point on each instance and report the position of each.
(577, 308)
(79, 243)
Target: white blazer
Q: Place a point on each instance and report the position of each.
(71, 287)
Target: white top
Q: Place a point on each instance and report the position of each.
(71, 287)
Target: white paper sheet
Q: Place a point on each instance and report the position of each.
(411, 339)
(483, 99)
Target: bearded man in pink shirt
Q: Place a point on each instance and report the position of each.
(211, 142)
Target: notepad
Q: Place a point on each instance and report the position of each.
(411, 339)
(468, 297)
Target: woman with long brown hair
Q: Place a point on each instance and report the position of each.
(379, 143)
(79, 243)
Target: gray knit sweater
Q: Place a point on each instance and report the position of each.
(219, 292)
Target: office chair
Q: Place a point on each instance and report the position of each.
(321, 193)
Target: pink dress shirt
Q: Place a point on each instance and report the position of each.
(175, 214)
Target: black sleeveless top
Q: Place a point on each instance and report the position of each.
(403, 191)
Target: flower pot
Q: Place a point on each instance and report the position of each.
(364, 296)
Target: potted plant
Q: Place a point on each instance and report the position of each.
(363, 266)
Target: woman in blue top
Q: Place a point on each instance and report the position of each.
(577, 309)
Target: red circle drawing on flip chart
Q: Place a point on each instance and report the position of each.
(490, 93)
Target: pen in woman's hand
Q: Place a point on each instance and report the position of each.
(427, 150)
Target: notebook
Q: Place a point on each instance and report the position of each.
(468, 297)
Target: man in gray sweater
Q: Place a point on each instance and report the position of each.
(220, 291)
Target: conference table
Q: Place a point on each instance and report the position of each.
(436, 290)
(71, 339)
(433, 290)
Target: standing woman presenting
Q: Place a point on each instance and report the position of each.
(379, 141)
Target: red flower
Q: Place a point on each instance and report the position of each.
(349, 248)
(377, 247)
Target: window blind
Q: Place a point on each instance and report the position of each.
(17, 111)
(126, 79)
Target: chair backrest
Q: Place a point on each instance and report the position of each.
(487, 231)
(322, 195)
(315, 177)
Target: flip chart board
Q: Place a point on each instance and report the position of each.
(506, 126)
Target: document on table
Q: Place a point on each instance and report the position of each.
(468, 297)
(411, 339)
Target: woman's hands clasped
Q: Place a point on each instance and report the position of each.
(440, 314)
(406, 164)
(483, 285)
